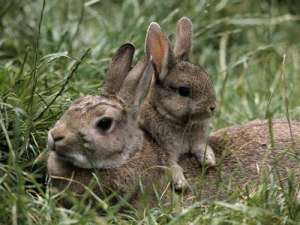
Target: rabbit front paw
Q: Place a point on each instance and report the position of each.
(179, 181)
(205, 155)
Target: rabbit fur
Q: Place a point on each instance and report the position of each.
(181, 101)
(100, 134)
(123, 154)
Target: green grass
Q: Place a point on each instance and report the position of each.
(54, 51)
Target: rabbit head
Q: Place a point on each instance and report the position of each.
(101, 131)
(182, 91)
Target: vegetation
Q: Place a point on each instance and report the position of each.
(51, 52)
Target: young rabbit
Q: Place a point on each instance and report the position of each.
(100, 134)
(181, 101)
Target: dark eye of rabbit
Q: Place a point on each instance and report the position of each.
(104, 123)
(184, 91)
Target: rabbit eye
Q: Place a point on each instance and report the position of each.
(184, 91)
(104, 123)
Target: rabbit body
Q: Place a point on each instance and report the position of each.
(245, 152)
(242, 152)
(100, 134)
(181, 101)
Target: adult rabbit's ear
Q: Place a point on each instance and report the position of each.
(135, 86)
(157, 47)
(118, 69)
(183, 44)
(144, 85)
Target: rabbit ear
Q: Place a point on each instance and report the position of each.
(118, 69)
(157, 46)
(143, 86)
(183, 44)
(130, 84)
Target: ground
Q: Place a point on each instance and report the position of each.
(51, 52)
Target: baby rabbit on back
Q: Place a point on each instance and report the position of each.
(181, 101)
(100, 133)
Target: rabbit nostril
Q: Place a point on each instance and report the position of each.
(212, 108)
(57, 137)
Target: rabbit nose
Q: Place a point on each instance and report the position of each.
(54, 137)
(58, 132)
(212, 108)
(57, 136)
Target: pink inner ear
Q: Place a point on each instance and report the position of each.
(158, 47)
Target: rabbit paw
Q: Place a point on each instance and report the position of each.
(179, 181)
(206, 156)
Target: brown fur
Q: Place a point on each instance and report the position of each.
(181, 100)
(242, 152)
(132, 155)
(100, 134)
(143, 164)
(246, 150)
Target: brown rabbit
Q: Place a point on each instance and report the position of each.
(100, 134)
(242, 151)
(181, 100)
(121, 159)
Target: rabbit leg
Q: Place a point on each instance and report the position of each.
(178, 179)
(200, 148)
(204, 154)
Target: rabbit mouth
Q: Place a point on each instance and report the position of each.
(76, 159)
(200, 116)
(169, 115)
(84, 162)
(63, 157)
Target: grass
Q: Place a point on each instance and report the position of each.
(54, 51)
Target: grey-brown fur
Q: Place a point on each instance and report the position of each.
(123, 179)
(181, 101)
(241, 151)
(244, 151)
(241, 148)
(101, 133)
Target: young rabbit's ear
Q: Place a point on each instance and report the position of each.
(157, 46)
(183, 44)
(118, 69)
(130, 85)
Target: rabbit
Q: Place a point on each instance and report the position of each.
(100, 134)
(124, 153)
(181, 101)
(243, 152)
